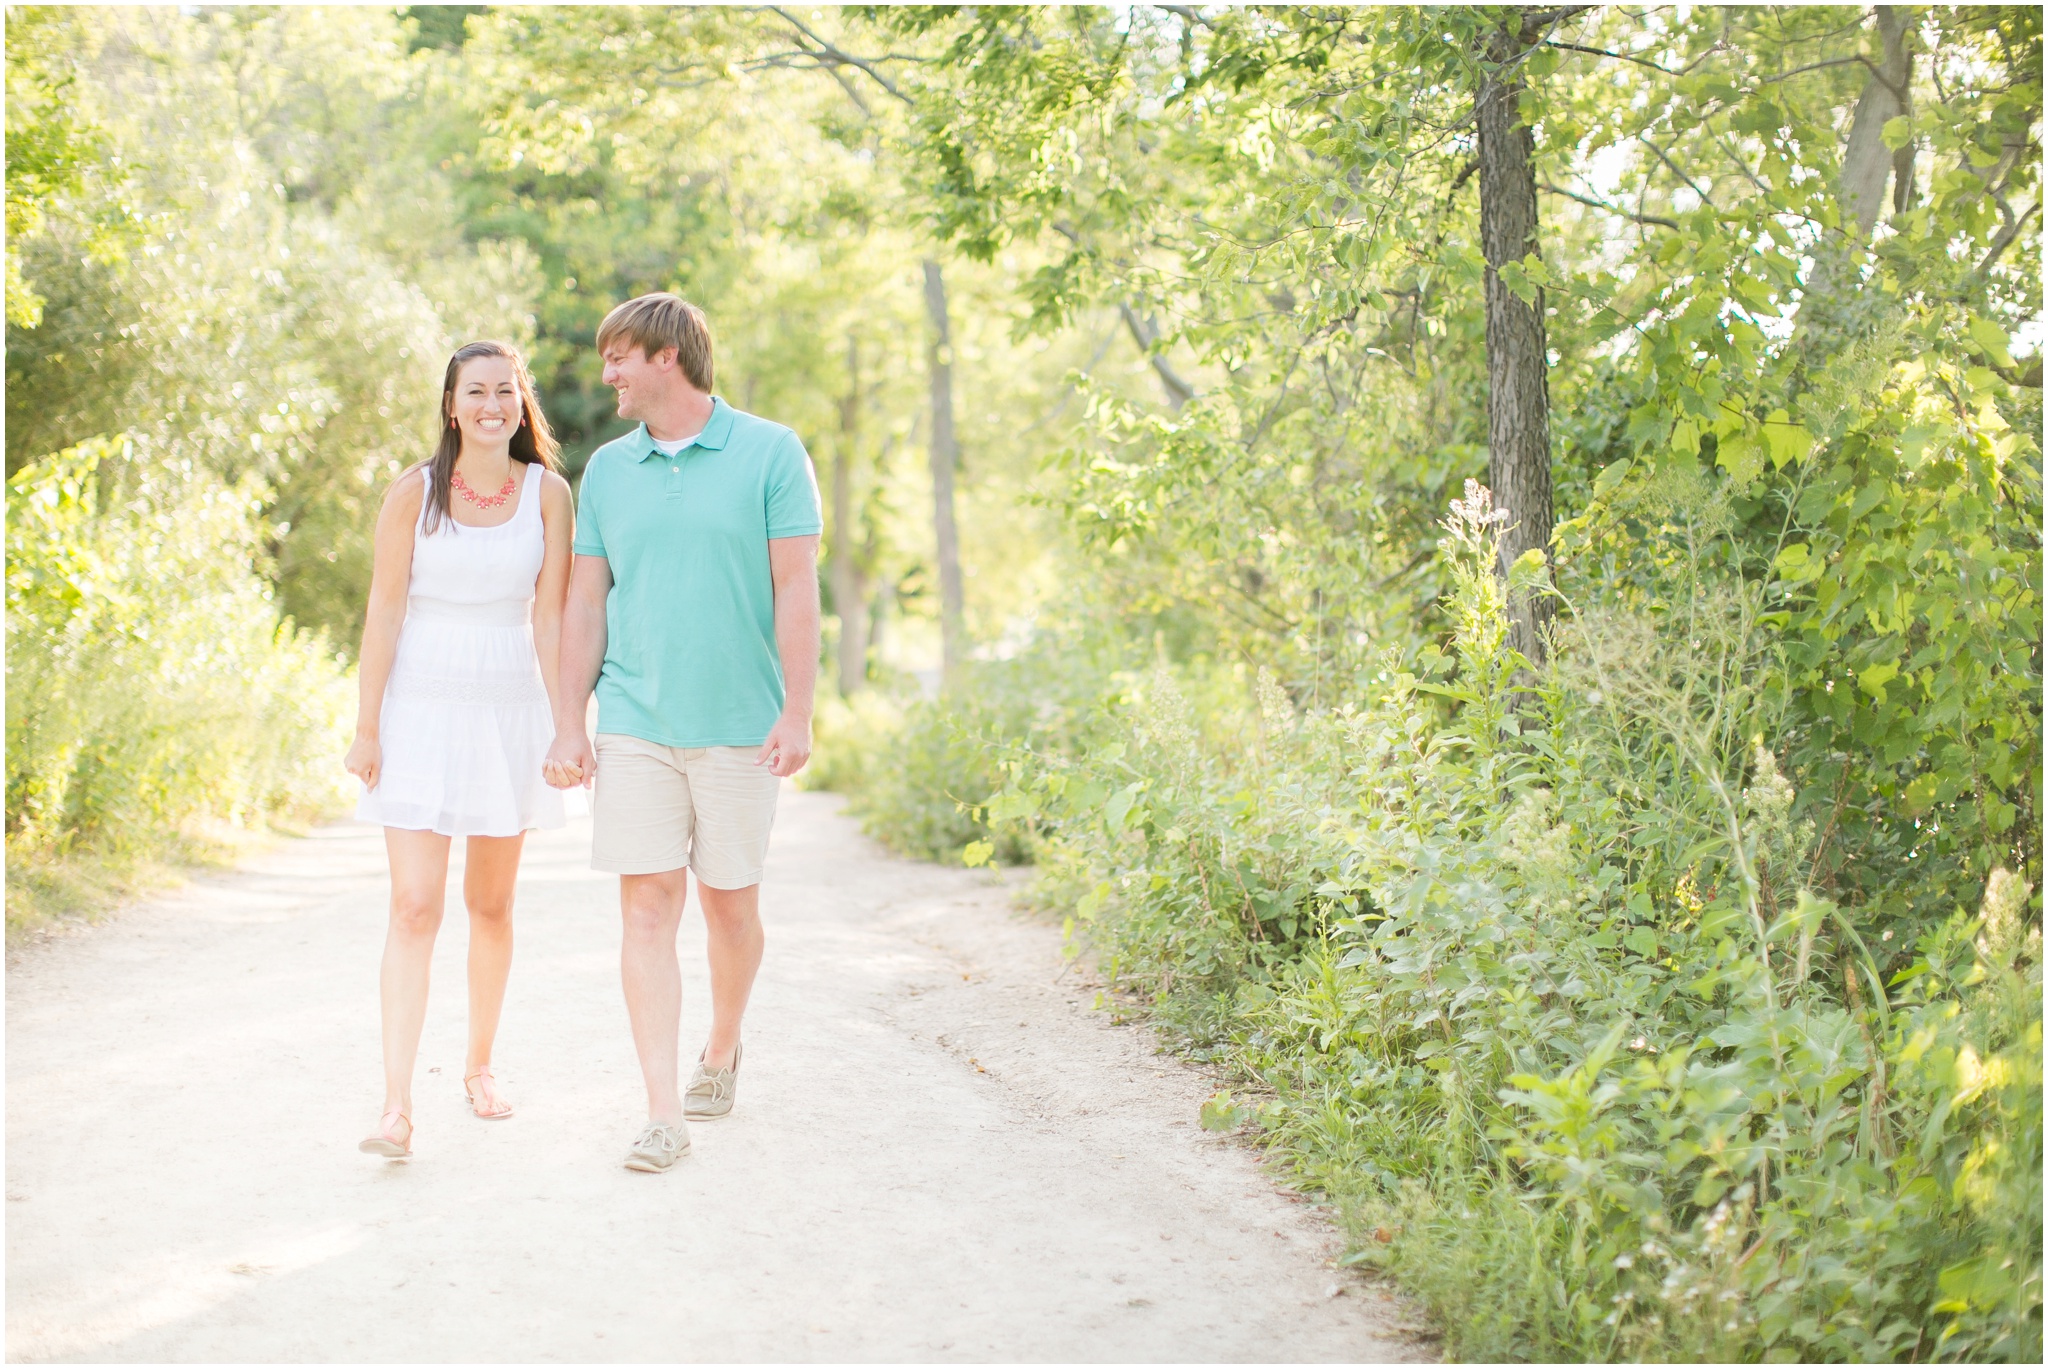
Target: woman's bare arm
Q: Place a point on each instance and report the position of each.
(551, 592)
(390, 577)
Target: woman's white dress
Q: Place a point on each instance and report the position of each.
(465, 721)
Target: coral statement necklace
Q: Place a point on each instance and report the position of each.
(482, 501)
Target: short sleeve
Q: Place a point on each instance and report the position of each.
(793, 509)
(589, 530)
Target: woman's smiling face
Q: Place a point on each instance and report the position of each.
(486, 401)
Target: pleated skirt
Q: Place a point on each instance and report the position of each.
(464, 728)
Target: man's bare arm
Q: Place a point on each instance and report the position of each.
(570, 759)
(793, 562)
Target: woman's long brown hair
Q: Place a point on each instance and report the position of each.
(534, 443)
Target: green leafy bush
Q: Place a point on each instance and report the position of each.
(921, 771)
(260, 271)
(848, 736)
(1530, 972)
(150, 681)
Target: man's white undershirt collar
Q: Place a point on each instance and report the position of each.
(671, 448)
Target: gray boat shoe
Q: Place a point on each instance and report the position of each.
(658, 1148)
(710, 1094)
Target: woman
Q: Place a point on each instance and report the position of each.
(458, 679)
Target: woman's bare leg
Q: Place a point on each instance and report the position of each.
(489, 876)
(419, 883)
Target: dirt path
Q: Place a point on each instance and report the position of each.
(940, 1152)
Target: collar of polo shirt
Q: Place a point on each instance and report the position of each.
(716, 429)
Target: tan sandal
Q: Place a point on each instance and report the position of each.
(387, 1145)
(498, 1110)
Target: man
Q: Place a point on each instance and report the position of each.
(693, 608)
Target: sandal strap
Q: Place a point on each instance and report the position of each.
(478, 1097)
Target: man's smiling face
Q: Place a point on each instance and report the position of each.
(641, 380)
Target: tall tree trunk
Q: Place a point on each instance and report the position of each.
(1837, 309)
(945, 456)
(1867, 164)
(849, 574)
(1518, 392)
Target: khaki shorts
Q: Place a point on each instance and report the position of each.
(659, 808)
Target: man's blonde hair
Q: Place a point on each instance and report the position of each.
(661, 320)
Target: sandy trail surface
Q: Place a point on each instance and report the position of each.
(940, 1152)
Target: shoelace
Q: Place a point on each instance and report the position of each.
(716, 1084)
(664, 1137)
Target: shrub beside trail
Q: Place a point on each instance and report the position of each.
(1528, 970)
(1666, 986)
(153, 692)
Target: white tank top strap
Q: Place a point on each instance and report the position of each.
(529, 489)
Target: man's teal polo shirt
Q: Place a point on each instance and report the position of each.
(690, 656)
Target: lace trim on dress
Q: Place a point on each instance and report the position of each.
(496, 693)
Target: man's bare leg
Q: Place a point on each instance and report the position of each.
(652, 909)
(732, 941)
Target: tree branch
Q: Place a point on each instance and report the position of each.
(1542, 19)
(801, 60)
(2028, 375)
(1532, 36)
(1735, 155)
(1603, 52)
(1612, 209)
(830, 55)
(1178, 391)
(1858, 60)
(2004, 239)
(1676, 169)
(1993, 177)
(1420, 558)
(1144, 333)
(852, 92)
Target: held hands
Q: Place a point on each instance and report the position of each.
(365, 760)
(788, 748)
(570, 761)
